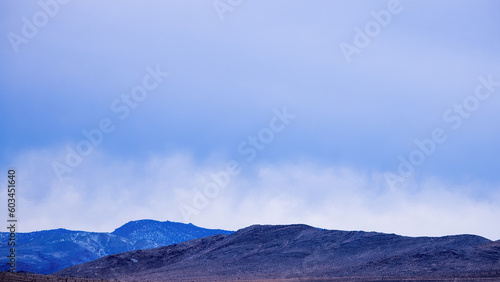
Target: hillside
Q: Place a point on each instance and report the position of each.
(299, 251)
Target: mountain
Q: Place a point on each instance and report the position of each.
(52, 250)
(150, 233)
(301, 251)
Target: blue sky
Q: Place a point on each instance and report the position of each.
(228, 72)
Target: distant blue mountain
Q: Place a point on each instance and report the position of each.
(52, 250)
(148, 234)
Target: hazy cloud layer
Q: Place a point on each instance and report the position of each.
(357, 116)
(104, 193)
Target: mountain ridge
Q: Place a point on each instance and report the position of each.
(48, 251)
(301, 251)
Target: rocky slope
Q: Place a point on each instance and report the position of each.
(295, 251)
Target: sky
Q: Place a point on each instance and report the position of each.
(352, 115)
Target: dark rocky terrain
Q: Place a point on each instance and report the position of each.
(301, 251)
(52, 250)
(33, 277)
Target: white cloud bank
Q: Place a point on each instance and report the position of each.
(104, 193)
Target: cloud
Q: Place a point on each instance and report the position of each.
(353, 120)
(103, 193)
(227, 75)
